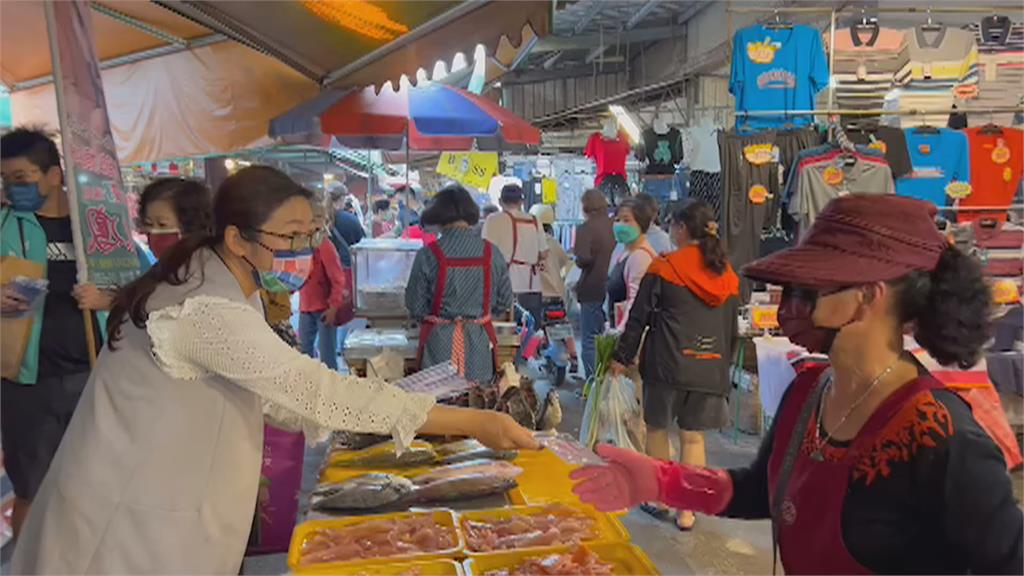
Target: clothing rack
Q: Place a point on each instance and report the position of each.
(981, 208)
(880, 112)
(914, 9)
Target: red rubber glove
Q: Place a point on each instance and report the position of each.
(630, 478)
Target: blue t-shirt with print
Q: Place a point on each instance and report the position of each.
(938, 156)
(777, 69)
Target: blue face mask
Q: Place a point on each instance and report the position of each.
(24, 196)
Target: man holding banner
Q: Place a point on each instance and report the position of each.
(46, 359)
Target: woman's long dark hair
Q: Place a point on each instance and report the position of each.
(245, 200)
(189, 198)
(699, 220)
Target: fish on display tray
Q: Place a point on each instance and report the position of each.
(553, 525)
(383, 538)
(462, 450)
(497, 468)
(383, 455)
(365, 492)
(579, 562)
(462, 487)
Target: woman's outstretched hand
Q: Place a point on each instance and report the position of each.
(629, 478)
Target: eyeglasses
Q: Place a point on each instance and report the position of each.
(298, 241)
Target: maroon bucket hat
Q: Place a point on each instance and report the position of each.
(858, 239)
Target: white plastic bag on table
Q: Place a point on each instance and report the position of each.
(613, 416)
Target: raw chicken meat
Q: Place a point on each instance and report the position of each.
(377, 539)
(555, 525)
(580, 562)
(365, 492)
(495, 468)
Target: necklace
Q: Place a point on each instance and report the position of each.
(819, 443)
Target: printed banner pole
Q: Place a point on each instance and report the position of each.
(100, 220)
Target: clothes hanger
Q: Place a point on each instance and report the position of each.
(991, 128)
(778, 24)
(865, 22)
(931, 26)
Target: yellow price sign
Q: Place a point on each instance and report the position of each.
(474, 169)
(549, 190)
(764, 317)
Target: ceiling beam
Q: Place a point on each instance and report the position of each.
(137, 24)
(558, 43)
(132, 58)
(588, 16)
(642, 13)
(692, 10)
(540, 75)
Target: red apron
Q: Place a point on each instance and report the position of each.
(434, 319)
(810, 527)
(516, 223)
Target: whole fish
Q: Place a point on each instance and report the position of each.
(383, 455)
(470, 467)
(462, 488)
(463, 450)
(365, 492)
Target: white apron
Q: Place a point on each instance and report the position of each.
(155, 475)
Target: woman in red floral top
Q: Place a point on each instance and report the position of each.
(871, 465)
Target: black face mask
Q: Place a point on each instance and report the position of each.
(796, 311)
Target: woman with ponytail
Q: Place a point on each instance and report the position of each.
(159, 469)
(687, 306)
(871, 465)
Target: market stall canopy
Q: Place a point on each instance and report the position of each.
(160, 50)
(432, 115)
(359, 43)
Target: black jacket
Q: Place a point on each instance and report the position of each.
(689, 344)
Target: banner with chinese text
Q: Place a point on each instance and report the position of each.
(100, 217)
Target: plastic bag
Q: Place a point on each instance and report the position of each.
(278, 501)
(613, 415)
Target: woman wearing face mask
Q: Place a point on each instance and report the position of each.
(686, 306)
(632, 219)
(321, 295)
(172, 208)
(871, 465)
(456, 286)
(159, 470)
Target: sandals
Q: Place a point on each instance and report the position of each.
(657, 512)
(683, 528)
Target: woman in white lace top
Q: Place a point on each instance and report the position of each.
(159, 467)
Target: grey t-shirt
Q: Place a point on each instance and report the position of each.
(818, 185)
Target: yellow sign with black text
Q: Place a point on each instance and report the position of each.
(474, 169)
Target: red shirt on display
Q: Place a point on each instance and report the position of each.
(608, 155)
(996, 163)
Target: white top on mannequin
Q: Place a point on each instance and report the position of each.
(660, 124)
(610, 129)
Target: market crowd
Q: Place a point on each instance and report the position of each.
(871, 464)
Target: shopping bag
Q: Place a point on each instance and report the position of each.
(347, 310)
(15, 332)
(613, 416)
(277, 506)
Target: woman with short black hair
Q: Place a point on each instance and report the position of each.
(871, 464)
(457, 284)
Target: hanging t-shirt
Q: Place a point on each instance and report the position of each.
(662, 151)
(890, 142)
(777, 69)
(700, 148)
(609, 156)
(1000, 65)
(939, 156)
(996, 163)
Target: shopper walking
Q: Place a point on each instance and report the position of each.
(457, 285)
(657, 237)
(552, 276)
(521, 241)
(322, 295)
(159, 470)
(385, 220)
(685, 315)
(593, 251)
(171, 209)
(632, 219)
(870, 465)
(347, 220)
(38, 398)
